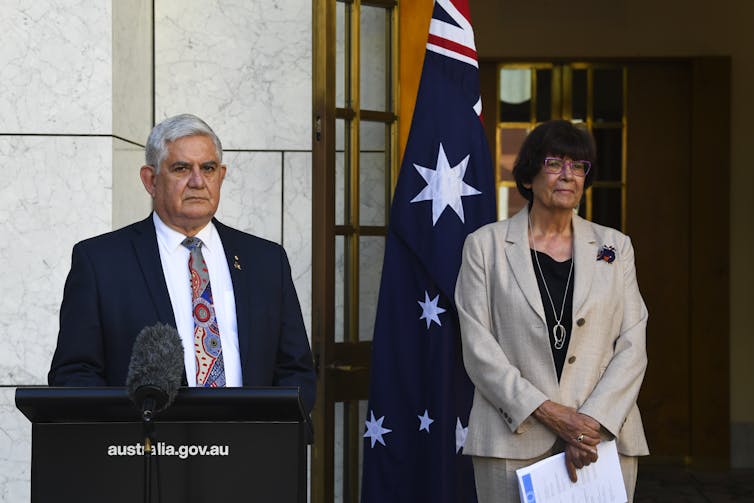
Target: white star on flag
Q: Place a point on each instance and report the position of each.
(445, 186)
(375, 430)
(461, 433)
(425, 421)
(430, 309)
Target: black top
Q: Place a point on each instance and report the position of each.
(556, 274)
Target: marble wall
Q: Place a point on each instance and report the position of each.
(79, 94)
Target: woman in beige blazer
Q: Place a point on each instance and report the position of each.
(552, 325)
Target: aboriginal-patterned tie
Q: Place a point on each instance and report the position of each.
(210, 370)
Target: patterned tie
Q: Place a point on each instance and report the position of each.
(210, 370)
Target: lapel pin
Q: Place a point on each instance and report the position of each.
(606, 253)
(236, 264)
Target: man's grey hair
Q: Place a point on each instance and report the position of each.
(172, 129)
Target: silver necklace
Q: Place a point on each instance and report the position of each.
(558, 331)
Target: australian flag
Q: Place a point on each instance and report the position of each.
(420, 395)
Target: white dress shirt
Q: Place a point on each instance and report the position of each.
(174, 257)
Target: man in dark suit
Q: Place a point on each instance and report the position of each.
(247, 332)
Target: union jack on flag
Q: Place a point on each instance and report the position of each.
(420, 395)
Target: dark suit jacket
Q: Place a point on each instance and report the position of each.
(116, 287)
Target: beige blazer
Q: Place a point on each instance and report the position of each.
(506, 349)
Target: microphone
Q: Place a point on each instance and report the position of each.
(155, 370)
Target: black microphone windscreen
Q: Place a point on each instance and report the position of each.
(156, 366)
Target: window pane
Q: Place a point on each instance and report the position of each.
(509, 202)
(371, 255)
(373, 72)
(579, 95)
(510, 143)
(606, 206)
(544, 95)
(339, 448)
(515, 95)
(608, 94)
(372, 136)
(340, 288)
(372, 188)
(341, 126)
(372, 173)
(609, 154)
(340, 53)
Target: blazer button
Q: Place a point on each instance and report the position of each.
(580, 322)
(572, 359)
(510, 420)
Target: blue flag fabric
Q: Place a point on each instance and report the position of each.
(420, 395)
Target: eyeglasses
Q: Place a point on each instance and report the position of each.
(556, 165)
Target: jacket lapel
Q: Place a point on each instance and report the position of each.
(148, 255)
(585, 258)
(240, 267)
(519, 260)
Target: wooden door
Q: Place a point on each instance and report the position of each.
(676, 206)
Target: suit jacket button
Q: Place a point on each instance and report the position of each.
(510, 420)
(572, 359)
(580, 322)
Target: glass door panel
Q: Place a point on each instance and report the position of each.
(354, 163)
(584, 93)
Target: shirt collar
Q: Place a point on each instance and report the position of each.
(172, 239)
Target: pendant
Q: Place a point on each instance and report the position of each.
(558, 335)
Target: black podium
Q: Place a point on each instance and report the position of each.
(229, 445)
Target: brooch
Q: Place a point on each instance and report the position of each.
(606, 253)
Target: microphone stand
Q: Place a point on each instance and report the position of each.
(149, 443)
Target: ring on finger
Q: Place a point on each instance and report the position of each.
(580, 438)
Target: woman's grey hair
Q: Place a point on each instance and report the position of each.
(173, 128)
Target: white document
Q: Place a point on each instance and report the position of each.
(547, 481)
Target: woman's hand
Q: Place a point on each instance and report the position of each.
(576, 458)
(580, 432)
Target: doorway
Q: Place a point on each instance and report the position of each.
(662, 134)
